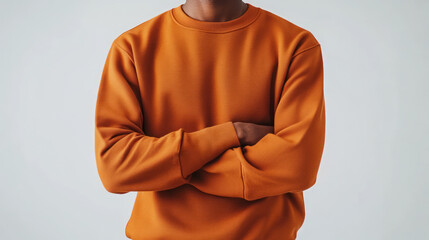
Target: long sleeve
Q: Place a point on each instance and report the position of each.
(129, 160)
(286, 160)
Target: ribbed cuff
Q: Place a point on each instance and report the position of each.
(202, 146)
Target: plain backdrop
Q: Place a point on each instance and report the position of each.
(373, 179)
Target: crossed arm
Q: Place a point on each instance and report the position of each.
(211, 159)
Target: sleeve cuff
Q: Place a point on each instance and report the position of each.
(202, 146)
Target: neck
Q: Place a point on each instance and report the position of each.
(214, 10)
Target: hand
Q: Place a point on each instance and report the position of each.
(250, 133)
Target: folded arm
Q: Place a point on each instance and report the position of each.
(286, 160)
(127, 159)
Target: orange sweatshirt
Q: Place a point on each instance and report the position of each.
(170, 91)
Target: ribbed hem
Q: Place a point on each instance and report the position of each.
(248, 17)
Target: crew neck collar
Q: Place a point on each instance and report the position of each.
(181, 18)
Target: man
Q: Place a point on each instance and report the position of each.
(214, 113)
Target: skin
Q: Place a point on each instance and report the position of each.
(214, 10)
(219, 11)
(250, 133)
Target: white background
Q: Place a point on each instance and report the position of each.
(372, 182)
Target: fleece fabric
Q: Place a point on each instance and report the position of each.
(170, 90)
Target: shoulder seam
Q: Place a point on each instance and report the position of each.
(123, 49)
(309, 48)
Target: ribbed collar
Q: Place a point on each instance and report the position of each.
(249, 16)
